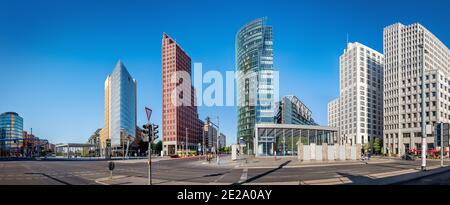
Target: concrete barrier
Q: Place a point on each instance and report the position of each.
(327, 152)
(341, 152)
(331, 153)
(319, 156)
(336, 151)
(312, 148)
(358, 151)
(353, 152)
(348, 152)
(307, 153)
(300, 151)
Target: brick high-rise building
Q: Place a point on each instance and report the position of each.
(180, 118)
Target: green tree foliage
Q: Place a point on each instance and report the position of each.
(376, 145)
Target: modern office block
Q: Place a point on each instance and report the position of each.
(255, 78)
(11, 131)
(358, 111)
(120, 108)
(409, 49)
(182, 129)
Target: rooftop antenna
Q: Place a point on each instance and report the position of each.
(347, 39)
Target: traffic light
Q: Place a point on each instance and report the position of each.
(155, 131)
(146, 131)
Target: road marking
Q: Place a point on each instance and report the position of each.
(389, 174)
(243, 176)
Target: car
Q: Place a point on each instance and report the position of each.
(408, 157)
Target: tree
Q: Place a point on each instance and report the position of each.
(159, 146)
(376, 145)
(366, 147)
(225, 149)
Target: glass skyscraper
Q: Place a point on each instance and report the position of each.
(120, 107)
(255, 78)
(11, 130)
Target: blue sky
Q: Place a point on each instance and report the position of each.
(55, 55)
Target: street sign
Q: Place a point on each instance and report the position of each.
(148, 111)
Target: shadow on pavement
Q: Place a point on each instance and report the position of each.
(357, 179)
(53, 178)
(263, 174)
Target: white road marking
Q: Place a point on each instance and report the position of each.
(244, 175)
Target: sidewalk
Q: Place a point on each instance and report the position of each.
(386, 178)
(286, 162)
(132, 180)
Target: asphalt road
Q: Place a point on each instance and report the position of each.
(189, 170)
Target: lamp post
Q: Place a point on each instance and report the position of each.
(218, 135)
(424, 134)
(217, 138)
(187, 135)
(203, 144)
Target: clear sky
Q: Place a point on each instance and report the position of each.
(55, 55)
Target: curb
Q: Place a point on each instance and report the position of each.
(317, 165)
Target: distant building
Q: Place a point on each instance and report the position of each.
(180, 123)
(120, 109)
(210, 133)
(222, 141)
(94, 139)
(11, 131)
(333, 113)
(33, 146)
(290, 110)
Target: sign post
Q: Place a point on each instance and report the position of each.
(148, 111)
(111, 167)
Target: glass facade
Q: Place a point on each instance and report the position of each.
(255, 78)
(11, 130)
(290, 110)
(120, 106)
(284, 138)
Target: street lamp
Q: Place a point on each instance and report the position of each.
(217, 138)
(218, 135)
(424, 134)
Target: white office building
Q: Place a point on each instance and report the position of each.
(407, 48)
(333, 113)
(357, 113)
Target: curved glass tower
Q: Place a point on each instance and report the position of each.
(11, 129)
(255, 78)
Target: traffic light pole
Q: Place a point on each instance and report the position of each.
(442, 145)
(149, 163)
(150, 156)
